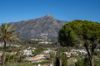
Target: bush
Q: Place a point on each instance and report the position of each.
(64, 60)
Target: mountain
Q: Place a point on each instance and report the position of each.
(35, 27)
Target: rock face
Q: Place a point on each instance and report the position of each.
(35, 27)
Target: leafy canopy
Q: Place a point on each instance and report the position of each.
(7, 32)
(77, 31)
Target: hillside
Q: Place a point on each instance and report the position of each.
(33, 28)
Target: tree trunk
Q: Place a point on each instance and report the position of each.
(90, 54)
(57, 62)
(92, 61)
(4, 54)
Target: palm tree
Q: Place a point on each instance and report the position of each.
(7, 34)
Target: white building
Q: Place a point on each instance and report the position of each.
(27, 52)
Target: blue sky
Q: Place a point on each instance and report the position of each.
(17, 10)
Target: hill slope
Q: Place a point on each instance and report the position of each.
(33, 28)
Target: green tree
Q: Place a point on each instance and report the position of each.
(7, 34)
(80, 32)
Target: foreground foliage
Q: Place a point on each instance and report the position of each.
(74, 32)
(81, 33)
(7, 35)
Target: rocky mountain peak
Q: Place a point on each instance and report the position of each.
(33, 28)
(48, 17)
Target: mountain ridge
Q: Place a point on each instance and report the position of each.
(29, 29)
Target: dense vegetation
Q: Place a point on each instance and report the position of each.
(75, 33)
(81, 33)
